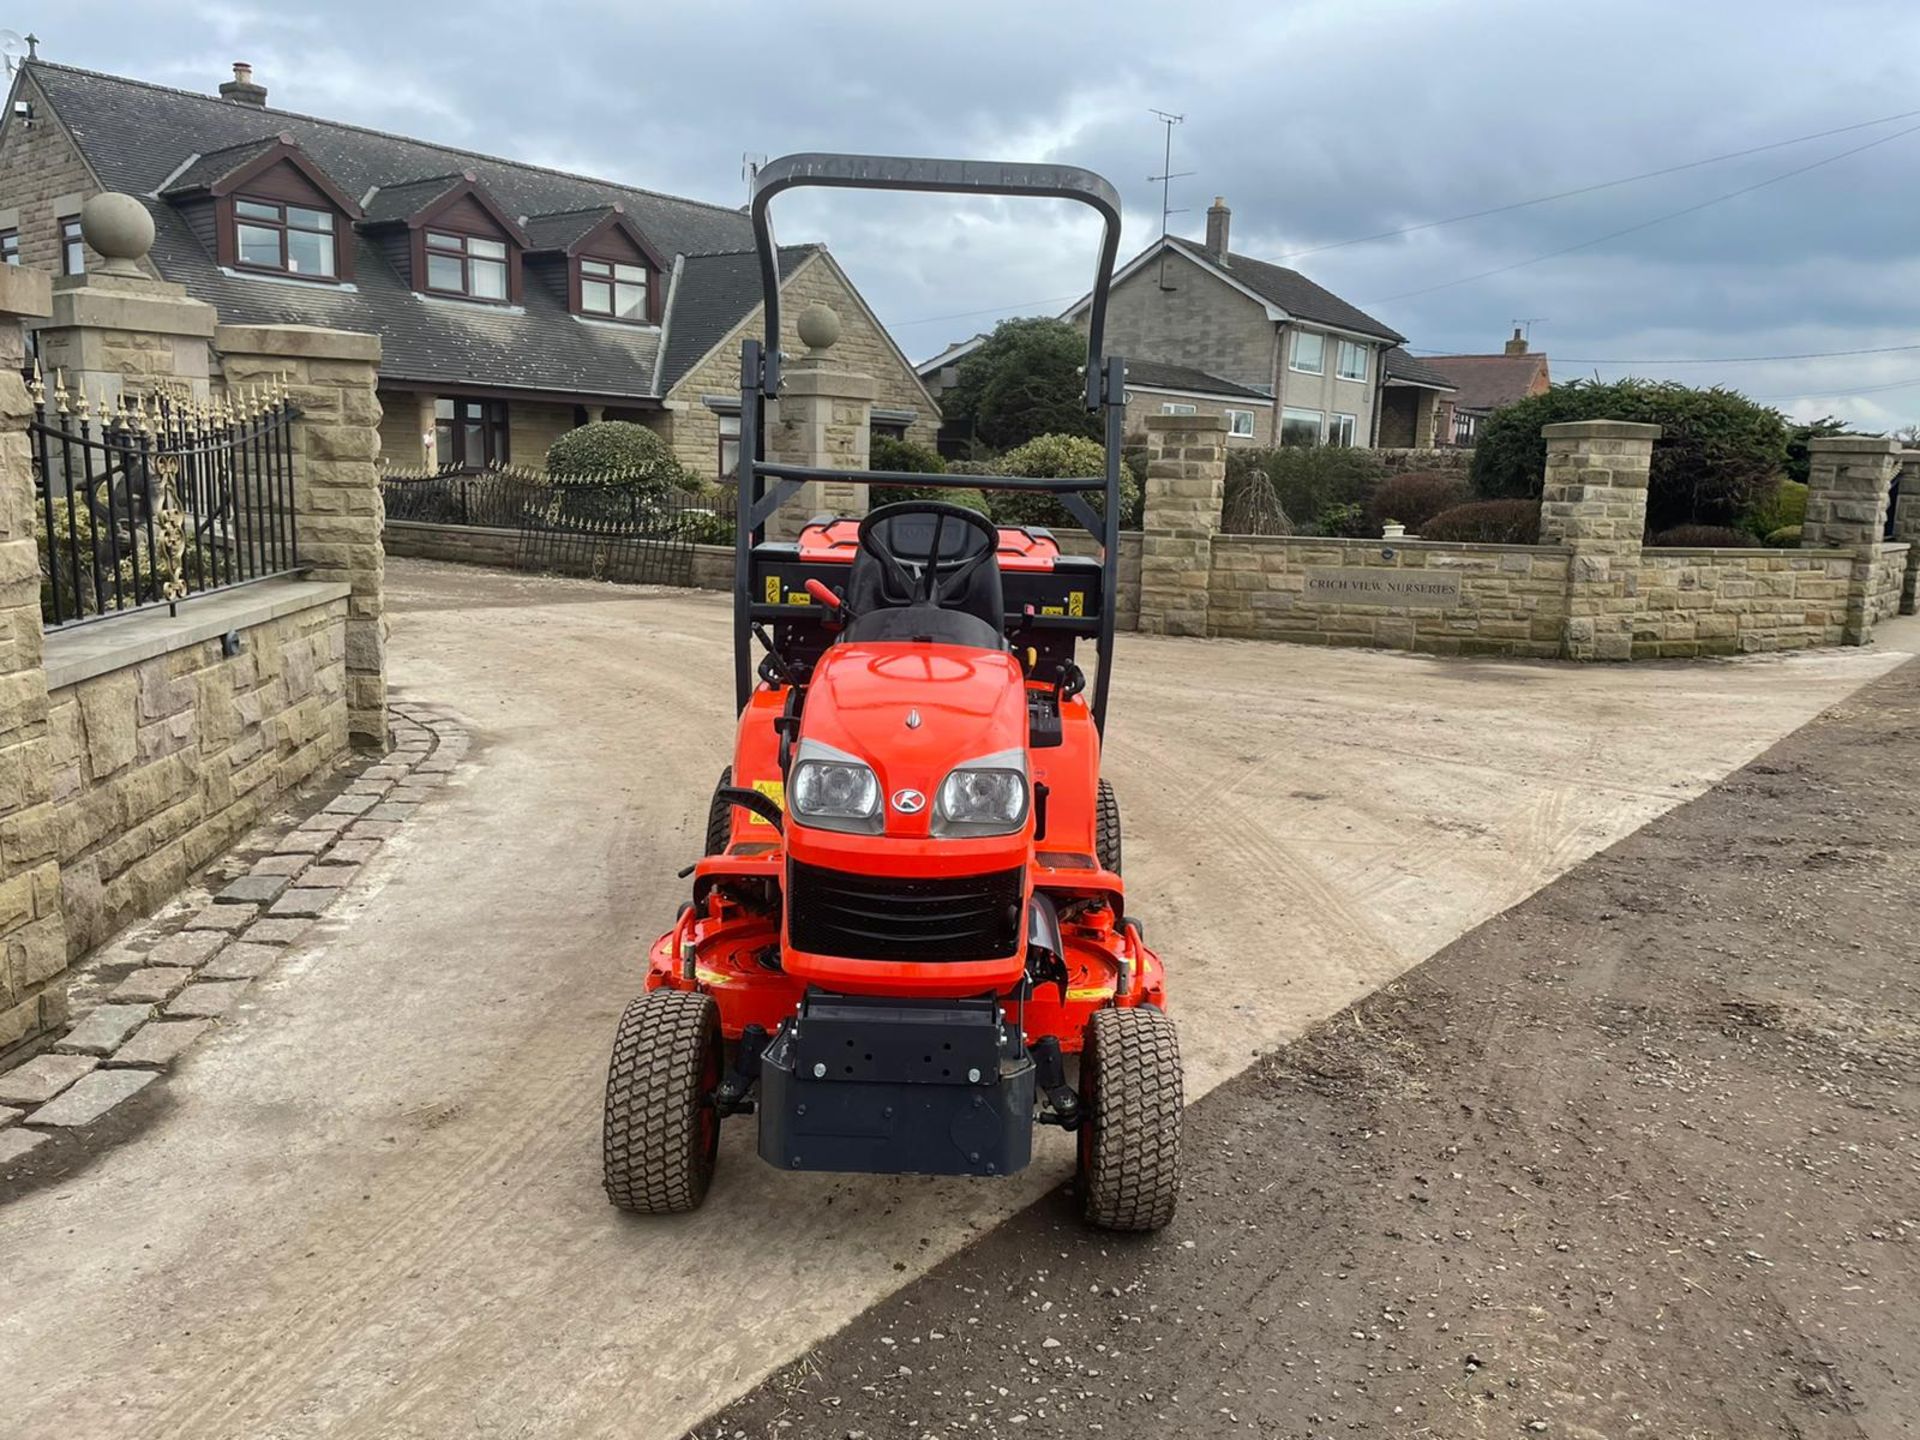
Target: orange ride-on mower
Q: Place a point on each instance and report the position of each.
(910, 915)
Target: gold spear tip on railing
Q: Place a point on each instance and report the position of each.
(60, 390)
(37, 386)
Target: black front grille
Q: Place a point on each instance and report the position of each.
(877, 917)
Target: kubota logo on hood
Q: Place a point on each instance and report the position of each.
(909, 802)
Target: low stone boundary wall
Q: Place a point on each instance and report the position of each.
(1406, 595)
(1887, 583)
(165, 748)
(1718, 602)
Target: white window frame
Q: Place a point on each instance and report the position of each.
(1359, 352)
(1171, 407)
(729, 456)
(1319, 366)
(1291, 412)
(1340, 424)
(1240, 423)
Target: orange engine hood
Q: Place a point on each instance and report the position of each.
(913, 711)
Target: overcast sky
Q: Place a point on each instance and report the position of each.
(1320, 121)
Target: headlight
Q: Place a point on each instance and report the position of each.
(987, 796)
(832, 790)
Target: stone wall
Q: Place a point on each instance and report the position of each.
(694, 430)
(42, 173)
(1201, 321)
(1887, 581)
(160, 765)
(1464, 599)
(1402, 460)
(462, 544)
(532, 427)
(1722, 602)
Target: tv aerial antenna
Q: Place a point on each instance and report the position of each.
(1525, 323)
(750, 163)
(15, 48)
(1166, 177)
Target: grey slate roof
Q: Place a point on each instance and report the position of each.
(1293, 292)
(135, 135)
(1185, 377)
(215, 166)
(715, 291)
(1402, 366)
(559, 231)
(407, 198)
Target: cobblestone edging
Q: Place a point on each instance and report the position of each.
(195, 973)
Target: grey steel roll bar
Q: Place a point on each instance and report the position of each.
(765, 485)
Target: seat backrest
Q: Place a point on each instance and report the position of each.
(868, 591)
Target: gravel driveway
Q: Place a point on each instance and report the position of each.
(370, 1205)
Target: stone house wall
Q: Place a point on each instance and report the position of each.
(41, 169)
(1200, 322)
(694, 430)
(160, 766)
(1513, 598)
(1886, 584)
(1721, 602)
(1142, 403)
(1409, 460)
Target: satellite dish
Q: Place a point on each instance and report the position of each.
(13, 47)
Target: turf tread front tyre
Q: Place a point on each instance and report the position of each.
(1106, 829)
(1129, 1171)
(720, 816)
(660, 1134)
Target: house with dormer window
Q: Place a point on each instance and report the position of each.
(514, 302)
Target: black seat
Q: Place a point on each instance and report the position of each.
(974, 616)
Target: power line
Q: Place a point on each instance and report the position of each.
(1648, 224)
(1715, 360)
(1842, 394)
(1491, 210)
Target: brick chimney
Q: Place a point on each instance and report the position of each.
(1218, 218)
(241, 89)
(1518, 344)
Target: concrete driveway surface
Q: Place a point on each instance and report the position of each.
(370, 1206)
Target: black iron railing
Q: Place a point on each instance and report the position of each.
(146, 501)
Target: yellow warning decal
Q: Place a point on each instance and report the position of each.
(1051, 610)
(775, 790)
(1076, 602)
(799, 597)
(773, 589)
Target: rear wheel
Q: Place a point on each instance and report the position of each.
(1106, 829)
(661, 1130)
(1131, 1097)
(720, 816)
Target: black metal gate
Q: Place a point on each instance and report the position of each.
(608, 532)
(143, 501)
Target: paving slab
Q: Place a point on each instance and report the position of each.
(306, 901)
(91, 1097)
(17, 1142)
(187, 947)
(103, 1030)
(206, 998)
(242, 961)
(353, 852)
(426, 779)
(391, 810)
(151, 984)
(330, 877)
(38, 1080)
(374, 830)
(251, 890)
(348, 805)
(281, 864)
(277, 932)
(325, 823)
(367, 786)
(303, 842)
(158, 1044)
(227, 917)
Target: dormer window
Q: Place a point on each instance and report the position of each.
(284, 239)
(613, 289)
(466, 265)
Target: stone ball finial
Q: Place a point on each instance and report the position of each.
(118, 226)
(819, 326)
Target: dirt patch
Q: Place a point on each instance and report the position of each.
(1639, 1157)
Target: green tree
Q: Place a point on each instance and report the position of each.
(1057, 457)
(910, 457)
(1024, 381)
(1797, 439)
(1718, 456)
(621, 453)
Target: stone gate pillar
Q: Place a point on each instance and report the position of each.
(1849, 485)
(113, 329)
(1186, 486)
(338, 515)
(33, 934)
(823, 419)
(1594, 501)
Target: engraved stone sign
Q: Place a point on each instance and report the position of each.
(1368, 585)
